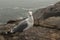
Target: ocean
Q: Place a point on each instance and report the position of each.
(12, 9)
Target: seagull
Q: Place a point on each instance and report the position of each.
(23, 25)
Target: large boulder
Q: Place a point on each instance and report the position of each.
(52, 12)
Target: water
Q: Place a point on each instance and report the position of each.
(12, 9)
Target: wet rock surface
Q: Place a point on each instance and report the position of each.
(46, 26)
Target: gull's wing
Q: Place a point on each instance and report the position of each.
(20, 27)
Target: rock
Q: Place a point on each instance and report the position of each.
(35, 33)
(16, 21)
(1, 37)
(13, 21)
(49, 13)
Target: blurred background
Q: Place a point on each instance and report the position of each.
(12, 9)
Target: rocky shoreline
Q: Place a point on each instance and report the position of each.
(46, 26)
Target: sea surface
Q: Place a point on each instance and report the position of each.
(12, 9)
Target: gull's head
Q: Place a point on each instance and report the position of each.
(30, 12)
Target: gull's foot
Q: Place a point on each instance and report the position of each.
(6, 33)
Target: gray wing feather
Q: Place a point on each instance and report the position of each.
(20, 27)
